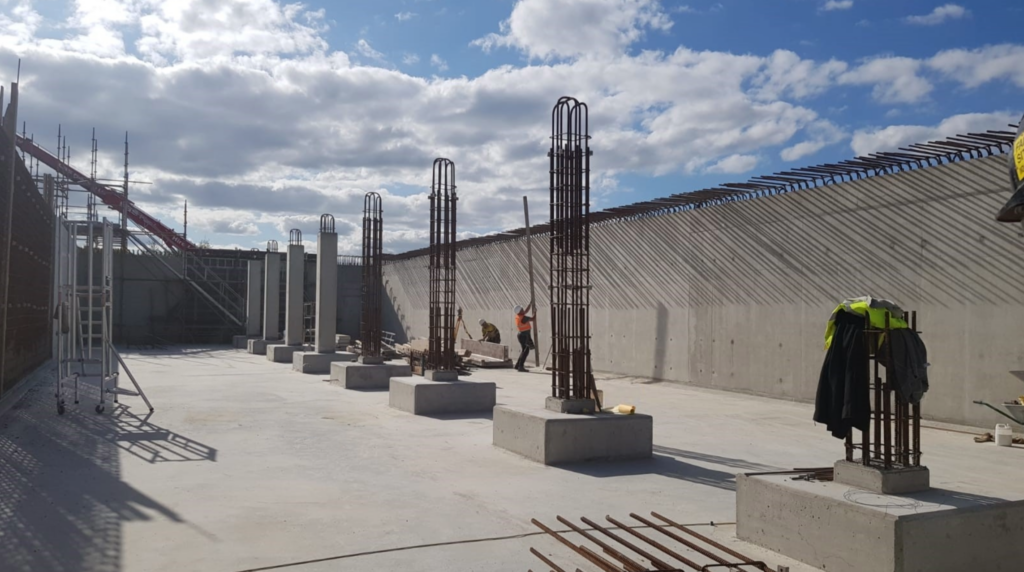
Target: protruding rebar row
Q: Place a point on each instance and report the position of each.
(295, 237)
(443, 200)
(271, 246)
(571, 374)
(373, 273)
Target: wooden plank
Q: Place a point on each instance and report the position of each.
(486, 349)
(485, 362)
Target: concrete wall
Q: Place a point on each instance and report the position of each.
(736, 296)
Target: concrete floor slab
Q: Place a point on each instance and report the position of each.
(245, 465)
(355, 375)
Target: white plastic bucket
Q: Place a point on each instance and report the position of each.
(1004, 435)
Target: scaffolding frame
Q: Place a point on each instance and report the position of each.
(85, 316)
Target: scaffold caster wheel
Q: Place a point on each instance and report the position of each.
(60, 409)
(99, 408)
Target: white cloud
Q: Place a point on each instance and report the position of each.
(405, 16)
(410, 59)
(287, 128)
(364, 48)
(438, 62)
(837, 5)
(821, 134)
(787, 74)
(895, 136)
(599, 27)
(734, 164)
(973, 68)
(894, 79)
(939, 15)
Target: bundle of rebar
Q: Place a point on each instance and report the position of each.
(373, 224)
(571, 374)
(443, 199)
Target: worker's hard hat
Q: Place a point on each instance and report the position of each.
(482, 321)
(518, 309)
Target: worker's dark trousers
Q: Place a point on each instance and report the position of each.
(526, 342)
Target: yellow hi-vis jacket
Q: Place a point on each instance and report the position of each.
(874, 308)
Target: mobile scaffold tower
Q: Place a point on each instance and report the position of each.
(84, 316)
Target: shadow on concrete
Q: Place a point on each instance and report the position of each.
(714, 459)
(488, 415)
(658, 464)
(956, 499)
(62, 500)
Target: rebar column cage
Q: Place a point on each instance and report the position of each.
(373, 274)
(271, 246)
(326, 223)
(295, 237)
(569, 254)
(893, 438)
(443, 200)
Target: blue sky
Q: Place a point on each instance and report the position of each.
(263, 114)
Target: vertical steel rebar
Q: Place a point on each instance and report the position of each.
(569, 254)
(373, 224)
(443, 203)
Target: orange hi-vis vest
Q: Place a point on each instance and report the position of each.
(522, 324)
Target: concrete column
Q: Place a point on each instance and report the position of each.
(252, 298)
(272, 297)
(293, 295)
(326, 291)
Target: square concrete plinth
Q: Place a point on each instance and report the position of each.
(282, 353)
(421, 396)
(550, 437)
(314, 362)
(876, 480)
(830, 526)
(367, 376)
(258, 347)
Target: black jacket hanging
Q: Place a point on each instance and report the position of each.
(843, 399)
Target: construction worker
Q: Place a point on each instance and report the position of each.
(489, 332)
(523, 323)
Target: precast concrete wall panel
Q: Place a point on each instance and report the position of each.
(736, 296)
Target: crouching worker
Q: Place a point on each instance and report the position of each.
(489, 332)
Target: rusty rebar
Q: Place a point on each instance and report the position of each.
(546, 560)
(628, 562)
(702, 538)
(373, 275)
(581, 550)
(654, 559)
(443, 202)
(655, 544)
(569, 253)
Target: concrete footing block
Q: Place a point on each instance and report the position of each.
(436, 375)
(371, 360)
(876, 480)
(421, 396)
(574, 406)
(314, 362)
(282, 353)
(825, 525)
(240, 342)
(551, 438)
(258, 347)
(367, 376)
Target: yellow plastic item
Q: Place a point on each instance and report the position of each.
(625, 409)
(1020, 400)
